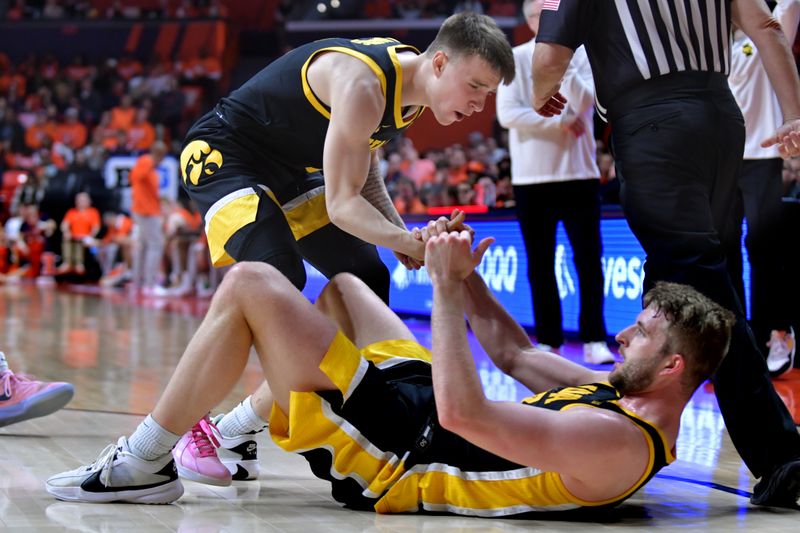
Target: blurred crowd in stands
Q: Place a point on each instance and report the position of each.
(420, 9)
(60, 123)
(111, 9)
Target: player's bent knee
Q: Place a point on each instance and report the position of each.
(249, 277)
(343, 282)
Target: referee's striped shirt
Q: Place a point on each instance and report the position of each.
(630, 41)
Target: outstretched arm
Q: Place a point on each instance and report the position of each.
(506, 343)
(449, 259)
(510, 348)
(757, 22)
(527, 435)
(356, 109)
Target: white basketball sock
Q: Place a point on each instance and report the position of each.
(151, 441)
(240, 420)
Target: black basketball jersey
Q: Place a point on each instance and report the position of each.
(604, 396)
(277, 111)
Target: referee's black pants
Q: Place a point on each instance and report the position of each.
(678, 152)
(759, 199)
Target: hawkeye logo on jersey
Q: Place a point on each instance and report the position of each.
(747, 49)
(199, 159)
(570, 394)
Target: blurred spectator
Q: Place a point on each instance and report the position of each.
(169, 107)
(90, 102)
(122, 115)
(52, 10)
(31, 244)
(475, 6)
(115, 245)
(41, 128)
(12, 134)
(457, 166)
(485, 192)
(71, 132)
(408, 9)
(420, 170)
(186, 9)
(216, 9)
(148, 246)
(128, 67)
(31, 191)
(95, 153)
(5, 254)
(464, 194)
(405, 198)
(141, 134)
(78, 70)
(184, 226)
(78, 230)
(106, 134)
(504, 192)
(49, 67)
(204, 66)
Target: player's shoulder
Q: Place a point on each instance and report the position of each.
(358, 77)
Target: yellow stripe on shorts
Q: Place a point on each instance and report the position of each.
(227, 216)
(307, 217)
(443, 488)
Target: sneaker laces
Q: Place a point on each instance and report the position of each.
(8, 378)
(103, 463)
(203, 440)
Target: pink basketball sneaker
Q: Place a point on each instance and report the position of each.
(196, 455)
(22, 397)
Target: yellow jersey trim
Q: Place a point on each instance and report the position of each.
(651, 450)
(398, 87)
(312, 98)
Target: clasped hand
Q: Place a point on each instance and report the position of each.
(448, 247)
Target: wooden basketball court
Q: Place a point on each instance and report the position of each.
(119, 352)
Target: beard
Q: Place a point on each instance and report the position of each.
(632, 377)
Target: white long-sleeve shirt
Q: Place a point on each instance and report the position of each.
(541, 151)
(751, 86)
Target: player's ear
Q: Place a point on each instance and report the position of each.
(440, 59)
(674, 364)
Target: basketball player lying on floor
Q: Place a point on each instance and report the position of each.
(397, 428)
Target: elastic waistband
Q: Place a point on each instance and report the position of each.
(669, 86)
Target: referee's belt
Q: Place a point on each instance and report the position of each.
(666, 87)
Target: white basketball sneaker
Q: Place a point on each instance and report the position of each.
(238, 453)
(119, 476)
